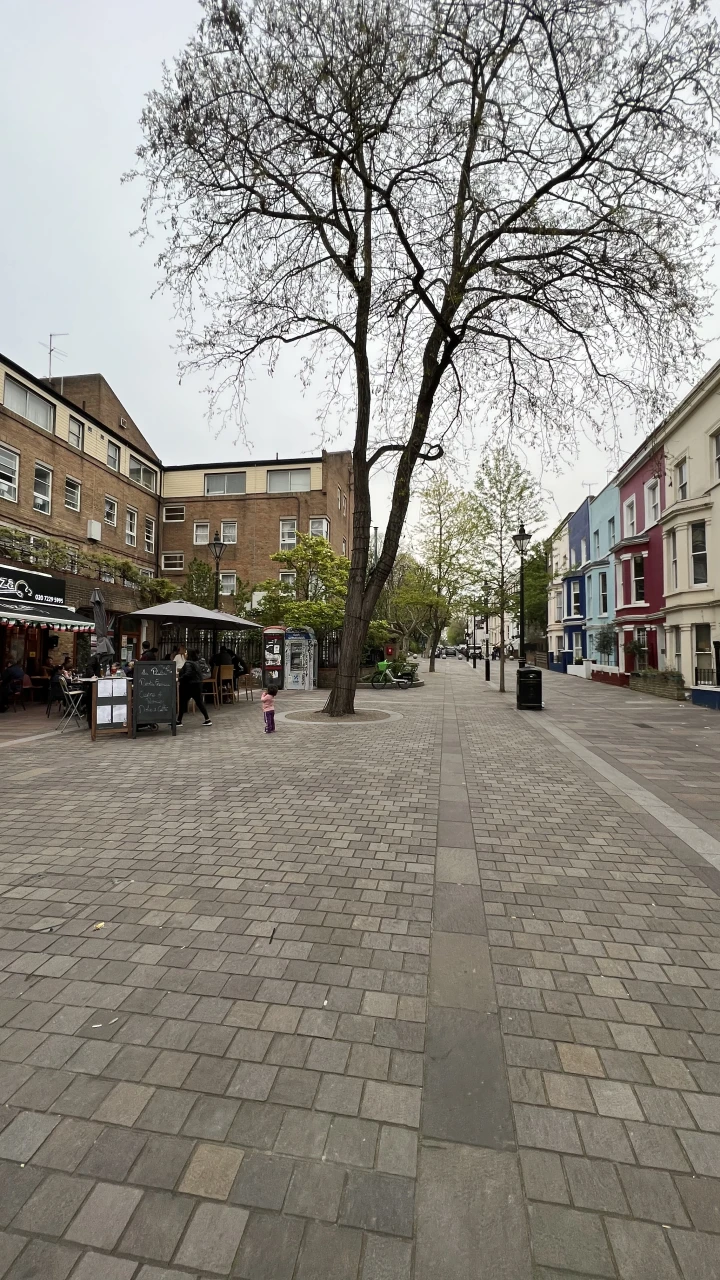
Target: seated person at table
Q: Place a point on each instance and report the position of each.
(191, 679)
(12, 678)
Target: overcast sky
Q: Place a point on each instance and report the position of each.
(71, 92)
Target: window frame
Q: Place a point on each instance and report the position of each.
(681, 479)
(150, 521)
(583, 551)
(285, 543)
(638, 599)
(575, 587)
(11, 453)
(78, 486)
(320, 520)
(588, 596)
(651, 517)
(131, 526)
(289, 472)
(78, 423)
(225, 492)
(716, 439)
(174, 506)
(619, 585)
(628, 506)
(143, 467)
(558, 606)
(43, 466)
(673, 565)
(344, 547)
(29, 392)
(699, 556)
(228, 573)
(596, 544)
(603, 592)
(288, 577)
(611, 532)
(112, 524)
(112, 444)
(229, 542)
(201, 524)
(173, 568)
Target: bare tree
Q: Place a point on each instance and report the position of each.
(497, 204)
(450, 535)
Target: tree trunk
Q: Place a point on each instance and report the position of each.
(434, 641)
(502, 650)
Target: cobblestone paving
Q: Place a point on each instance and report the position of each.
(230, 1076)
(225, 1078)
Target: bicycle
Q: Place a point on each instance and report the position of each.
(384, 676)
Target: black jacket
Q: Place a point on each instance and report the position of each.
(191, 673)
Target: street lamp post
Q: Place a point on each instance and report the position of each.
(522, 541)
(474, 639)
(217, 546)
(486, 593)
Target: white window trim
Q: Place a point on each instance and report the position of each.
(72, 418)
(286, 575)
(632, 580)
(229, 573)
(603, 612)
(15, 454)
(131, 511)
(289, 546)
(205, 524)
(175, 568)
(174, 506)
(111, 524)
(30, 391)
(682, 462)
(672, 561)
(650, 519)
(232, 542)
(324, 519)
(38, 510)
(143, 467)
(119, 453)
(79, 493)
(628, 503)
(150, 520)
(214, 475)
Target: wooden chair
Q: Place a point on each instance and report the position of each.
(212, 683)
(246, 682)
(226, 683)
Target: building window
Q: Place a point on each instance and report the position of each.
(72, 494)
(596, 544)
(716, 442)
(293, 481)
(652, 502)
(288, 578)
(641, 637)
(339, 498)
(113, 455)
(28, 405)
(344, 546)
(703, 650)
(173, 561)
(699, 553)
(575, 599)
(288, 534)
(681, 480)
(673, 559)
(228, 584)
(76, 433)
(629, 517)
(619, 592)
(224, 482)
(588, 595)
(9, 465)
(228, 532)
(106, 576)
(149, 535)
(577, 645)
(111, 512)
(201, 533)
(130, 527)
(583, 550)
(603, 593)
(42, 489)
(678, 648)
(142, 475)
(638, 578)
(558, 606)
(171, 515)
(344, 506)
(611, 532)
(320, 528)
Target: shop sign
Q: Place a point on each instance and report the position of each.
(25, 587)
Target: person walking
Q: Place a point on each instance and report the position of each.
(268, 706)
(191, 678)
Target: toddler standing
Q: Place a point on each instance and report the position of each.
(268, 706)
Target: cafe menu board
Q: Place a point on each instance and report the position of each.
(154, 694)
(111, 706)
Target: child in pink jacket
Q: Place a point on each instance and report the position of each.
(268, 706)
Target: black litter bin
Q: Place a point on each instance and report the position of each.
(529, 688)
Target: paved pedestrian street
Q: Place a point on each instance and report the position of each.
(436, 996)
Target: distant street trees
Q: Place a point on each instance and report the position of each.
(500, 206)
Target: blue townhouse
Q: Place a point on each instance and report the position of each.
(574, 583)
(604, 514)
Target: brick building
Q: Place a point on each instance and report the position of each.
(76, 469)
(258, 508)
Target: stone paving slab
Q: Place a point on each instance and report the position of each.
(235, 1042)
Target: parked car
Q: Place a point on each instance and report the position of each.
(450, 651)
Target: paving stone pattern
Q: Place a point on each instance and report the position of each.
(263, 1066)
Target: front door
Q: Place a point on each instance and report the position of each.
(652, 649)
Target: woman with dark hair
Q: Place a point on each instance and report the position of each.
(191, 678)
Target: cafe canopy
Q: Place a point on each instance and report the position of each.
(16, 613)
(181, 612)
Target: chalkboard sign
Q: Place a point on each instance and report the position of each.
(154, 694)
(111, 705)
